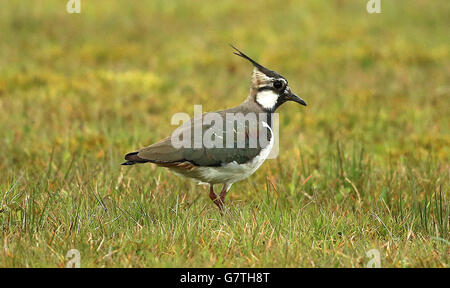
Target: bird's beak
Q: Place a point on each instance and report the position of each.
(292, 97)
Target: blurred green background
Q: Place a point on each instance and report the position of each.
(78, 91)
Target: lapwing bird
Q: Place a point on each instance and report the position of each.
(237, 150)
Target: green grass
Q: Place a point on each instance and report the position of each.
(364, 166)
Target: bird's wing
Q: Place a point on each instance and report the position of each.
(165, 152)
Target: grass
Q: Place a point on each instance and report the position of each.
(364, 166)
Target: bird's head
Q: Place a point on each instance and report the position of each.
(268, 88)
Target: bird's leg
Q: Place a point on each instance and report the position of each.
(214, 197)
(223, 193)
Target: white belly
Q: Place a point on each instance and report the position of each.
(234, 172)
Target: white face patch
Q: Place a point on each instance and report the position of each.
(267, 99)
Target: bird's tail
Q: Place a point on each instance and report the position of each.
(132, 158)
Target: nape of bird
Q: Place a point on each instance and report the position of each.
(235, 150)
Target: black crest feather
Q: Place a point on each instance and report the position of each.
(261, 68)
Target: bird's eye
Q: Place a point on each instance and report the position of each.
(277, 84)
